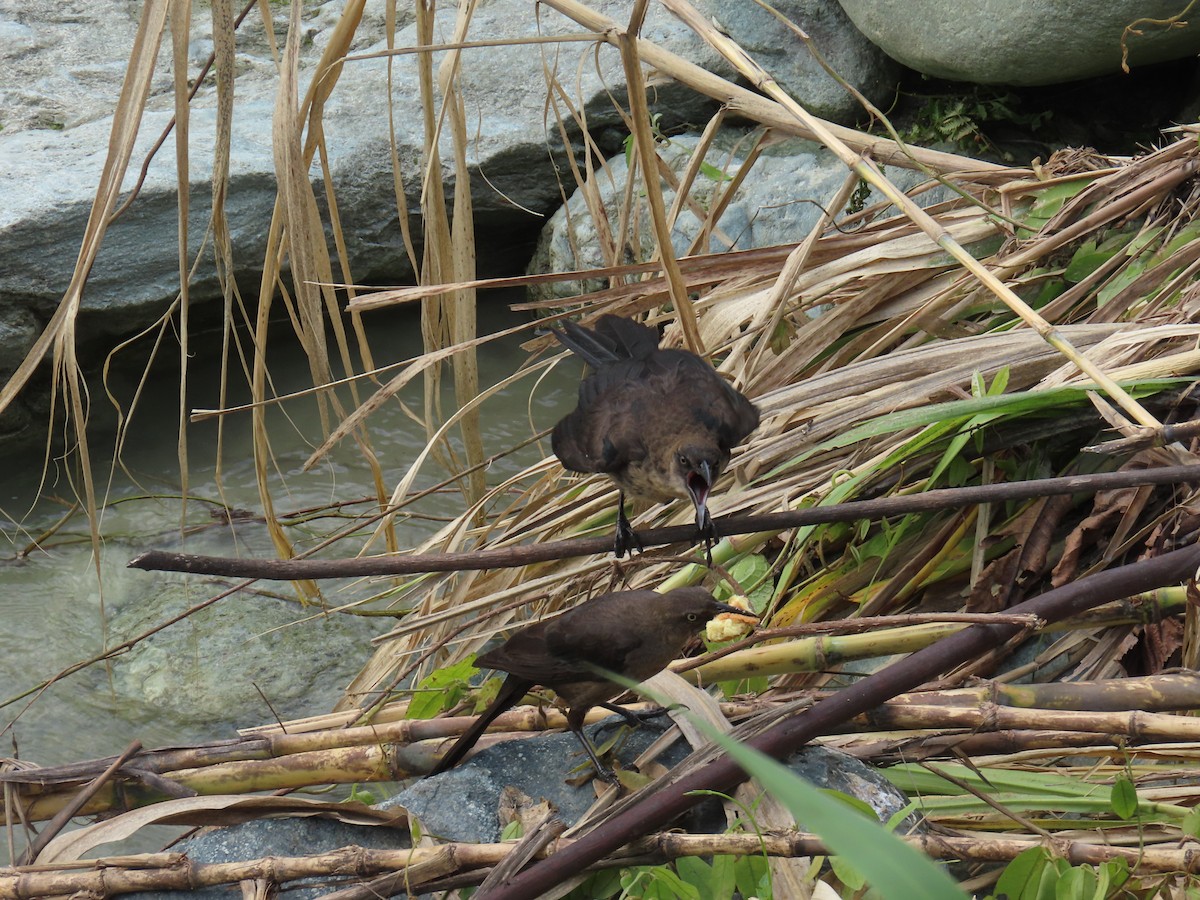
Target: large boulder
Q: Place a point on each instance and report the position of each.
(60, 73)
(854, 58)
(1023, 42)
(792, 182)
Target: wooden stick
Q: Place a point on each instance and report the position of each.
(509, 557)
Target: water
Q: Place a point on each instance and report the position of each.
(56, 611)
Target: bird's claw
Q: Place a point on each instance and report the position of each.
(626, 540)
(608, 775)
(634, 718)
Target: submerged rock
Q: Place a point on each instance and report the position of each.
(244, 660)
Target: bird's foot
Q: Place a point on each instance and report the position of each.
(633, 718)
(603, 772)
(608, 775)
(626, 539)
(708, 531)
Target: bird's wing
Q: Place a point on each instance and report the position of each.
(513, 689)
(590, 346)
(600, 435)
(742, 419)
(718, 404)
(631, 340)
(528, 655)
(597, 634)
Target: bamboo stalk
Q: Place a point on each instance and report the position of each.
(176, 871)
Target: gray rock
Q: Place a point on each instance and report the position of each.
(780, 203)
(60, 73)
(461, 804)
(848, 52)
(293, 836)
(211, 667)
(1027, 42)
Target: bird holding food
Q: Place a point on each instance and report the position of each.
(635, 634)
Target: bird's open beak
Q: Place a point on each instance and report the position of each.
(699, 483)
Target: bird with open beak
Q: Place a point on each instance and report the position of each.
(659, 422)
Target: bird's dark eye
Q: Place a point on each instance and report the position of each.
(683, 461)
(692, 617)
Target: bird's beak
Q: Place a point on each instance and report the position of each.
(736, 610)
(699, 483)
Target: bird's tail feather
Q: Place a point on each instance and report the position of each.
(613, 339)
(512, 690)
(587, 345)
(630, 339)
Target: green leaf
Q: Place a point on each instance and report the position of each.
(712, 173)
(1124, 798)
(600, 885)
(1078, 883)
(361, 795)
(1191, 822)
(440, 689)
(1123, 279)
(749, 873)
(890, 866)
(1112, 874)
(1023, 875)
(1086, 260)
(512, 831)
(1184, 236)
(846, 873)
(663, 884)
(699, 874)
(1046, 205)
(754, 685)
(723, 878)
(752, 572)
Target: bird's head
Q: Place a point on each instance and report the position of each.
(698, 467)
(689, 609)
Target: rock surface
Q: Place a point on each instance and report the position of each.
(293, 836)
(60, 73)
(792, 183)
(270, 651)
(462, 804)
(1026, 42)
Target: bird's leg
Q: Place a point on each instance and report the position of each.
(602, 771)
(636, 717)
(627, 539)
(708, 530)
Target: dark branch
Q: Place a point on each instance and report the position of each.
(507, 557)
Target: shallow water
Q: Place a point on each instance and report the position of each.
(55, 611)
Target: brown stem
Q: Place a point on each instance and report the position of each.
(509, 557)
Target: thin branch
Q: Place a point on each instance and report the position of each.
(509, 557)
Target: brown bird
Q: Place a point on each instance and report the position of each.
(633, 633)
(659, 422)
